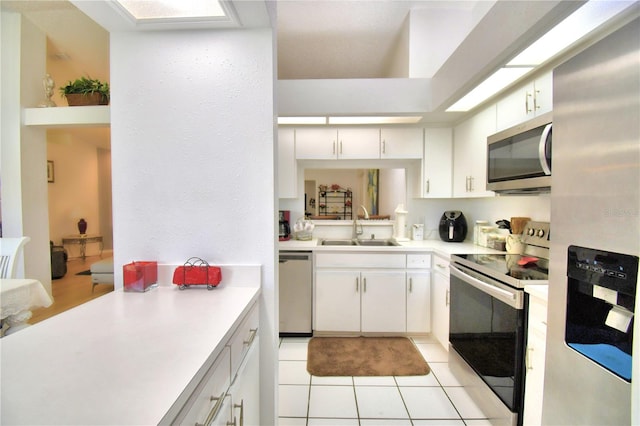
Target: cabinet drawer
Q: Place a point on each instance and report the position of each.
(207, 400)
(361, 260)
(422, 261)
(441, 265)
(243, 338)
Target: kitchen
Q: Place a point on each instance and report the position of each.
(424, 211)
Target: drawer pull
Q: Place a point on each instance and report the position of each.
(252, 336)
(214, 411)
(441, 265)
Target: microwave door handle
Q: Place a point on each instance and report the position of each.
(510, 298)
(542, 149)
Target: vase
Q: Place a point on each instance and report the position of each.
(82, 226)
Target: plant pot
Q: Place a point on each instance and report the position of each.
(79, 99)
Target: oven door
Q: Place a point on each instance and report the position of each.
(487, 329)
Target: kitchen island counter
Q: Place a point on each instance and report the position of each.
(124, 358)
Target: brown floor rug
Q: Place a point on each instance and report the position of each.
(364, 356)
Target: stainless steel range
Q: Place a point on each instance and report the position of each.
(488, 322)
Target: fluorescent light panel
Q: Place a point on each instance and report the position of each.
(496, 82)
(302, 120)
(375, 120)
(172, 9)
(577, 25)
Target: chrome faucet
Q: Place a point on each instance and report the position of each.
(357, 231)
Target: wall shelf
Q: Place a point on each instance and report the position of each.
(77, 116)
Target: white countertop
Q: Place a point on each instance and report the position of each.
(120, 359)
(439, 247)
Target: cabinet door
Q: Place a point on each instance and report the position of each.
(440, 308)
(535, 361)
(287, 167)
(337, 304)
(383, 301)
(418, 302)
(525, 102)
(543, 94)
(399, 143)
(316, 143)
(470, 155)
(437, 163)
(358, 144)
(245, 390)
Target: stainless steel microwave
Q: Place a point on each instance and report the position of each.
(519, 158)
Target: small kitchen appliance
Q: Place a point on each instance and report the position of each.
(453, 226)
(284, 229)
(417, 232)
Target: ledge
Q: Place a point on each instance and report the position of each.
(77, 116)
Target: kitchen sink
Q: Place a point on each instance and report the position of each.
(338, 243)
(376, 243)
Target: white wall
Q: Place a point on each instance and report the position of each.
(192, 144)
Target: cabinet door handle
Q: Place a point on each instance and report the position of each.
(241, 407)
(340, 147)
(528, 356)
(535, 100)
(527, 110)
(441, 265)
(471, 178)
(410, 285)
(447, 298)
(428, 185)
(334, 148)
(252, 336)
(364, 285)
(384, 147)
(357, 284)
(214, 411)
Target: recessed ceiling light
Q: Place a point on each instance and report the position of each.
(173, 9)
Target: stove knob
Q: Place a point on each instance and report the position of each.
(540, 233)
(531, 231)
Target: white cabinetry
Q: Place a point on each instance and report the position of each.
(526, 102)
(287, 167)
(401, 143)
(360, 292)
(437, 163)
(230, 386)
(320, 143)
(440, 301)
(418, 301)
(470, 155)
(535, 355)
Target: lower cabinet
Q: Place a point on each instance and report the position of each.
(228, 393)
(355, 301)
(535, 360)
(440, 300)
(418, 302)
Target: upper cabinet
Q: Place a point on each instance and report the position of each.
(437, 163)
(526, 102)
(325, 143)
(401, 143)
(287, 168)
(470, 154)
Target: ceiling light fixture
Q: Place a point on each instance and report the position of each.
(302, 120)
(375, 120)
(583, 21)
(492, 85)
(162, 10)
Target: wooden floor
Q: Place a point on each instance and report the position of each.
(72, 290)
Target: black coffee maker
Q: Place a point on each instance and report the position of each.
(453, 226)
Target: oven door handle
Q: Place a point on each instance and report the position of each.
(512, 299)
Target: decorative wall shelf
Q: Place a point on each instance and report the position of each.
(77, 116)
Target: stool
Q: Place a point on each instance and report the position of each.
(102, 273)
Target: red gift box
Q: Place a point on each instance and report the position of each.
(196, 271)
(140, 276)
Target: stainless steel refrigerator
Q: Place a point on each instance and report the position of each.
(595, 209)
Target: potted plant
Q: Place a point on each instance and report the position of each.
(86, 91)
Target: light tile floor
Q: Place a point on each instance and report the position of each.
(434, 399)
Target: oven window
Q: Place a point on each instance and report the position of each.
(489, 335)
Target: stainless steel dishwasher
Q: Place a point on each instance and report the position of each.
(296, 278)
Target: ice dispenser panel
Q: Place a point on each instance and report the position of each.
(601, 293)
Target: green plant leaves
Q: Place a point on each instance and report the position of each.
(85, 85)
